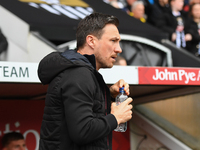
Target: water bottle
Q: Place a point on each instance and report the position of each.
(119, 99)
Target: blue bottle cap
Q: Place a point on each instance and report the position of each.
(122, 88)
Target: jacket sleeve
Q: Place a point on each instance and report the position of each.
(193, 30)
(78, 97)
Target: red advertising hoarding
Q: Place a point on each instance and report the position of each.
(25, 116)
(169, 76)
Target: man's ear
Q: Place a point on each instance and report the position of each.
(90, 39)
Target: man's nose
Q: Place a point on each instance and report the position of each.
(118, 48)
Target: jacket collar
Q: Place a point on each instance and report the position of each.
(91, 59)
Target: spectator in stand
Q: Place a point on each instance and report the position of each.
(194, 45)
(158, 9)
(13, 141)
(138, 11)
(128, 6)
(129, 3)
(121, 61)
(175, 23)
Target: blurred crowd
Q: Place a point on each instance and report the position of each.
(179, 18)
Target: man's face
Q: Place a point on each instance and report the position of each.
(138, 11)
(107, 47)
(196, 11)
(16, 145)
(177, 5)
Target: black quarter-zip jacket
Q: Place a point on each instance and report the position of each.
(77, 105)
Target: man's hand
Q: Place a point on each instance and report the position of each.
(188, 37)
(114, 89)
(173, 37)
(122, 112)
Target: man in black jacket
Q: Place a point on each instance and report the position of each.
(78, 113)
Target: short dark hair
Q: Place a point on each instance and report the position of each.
(93, 24)
(192, 4)
(11, 136)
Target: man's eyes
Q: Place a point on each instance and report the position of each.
(114, 40)
(17, 146)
